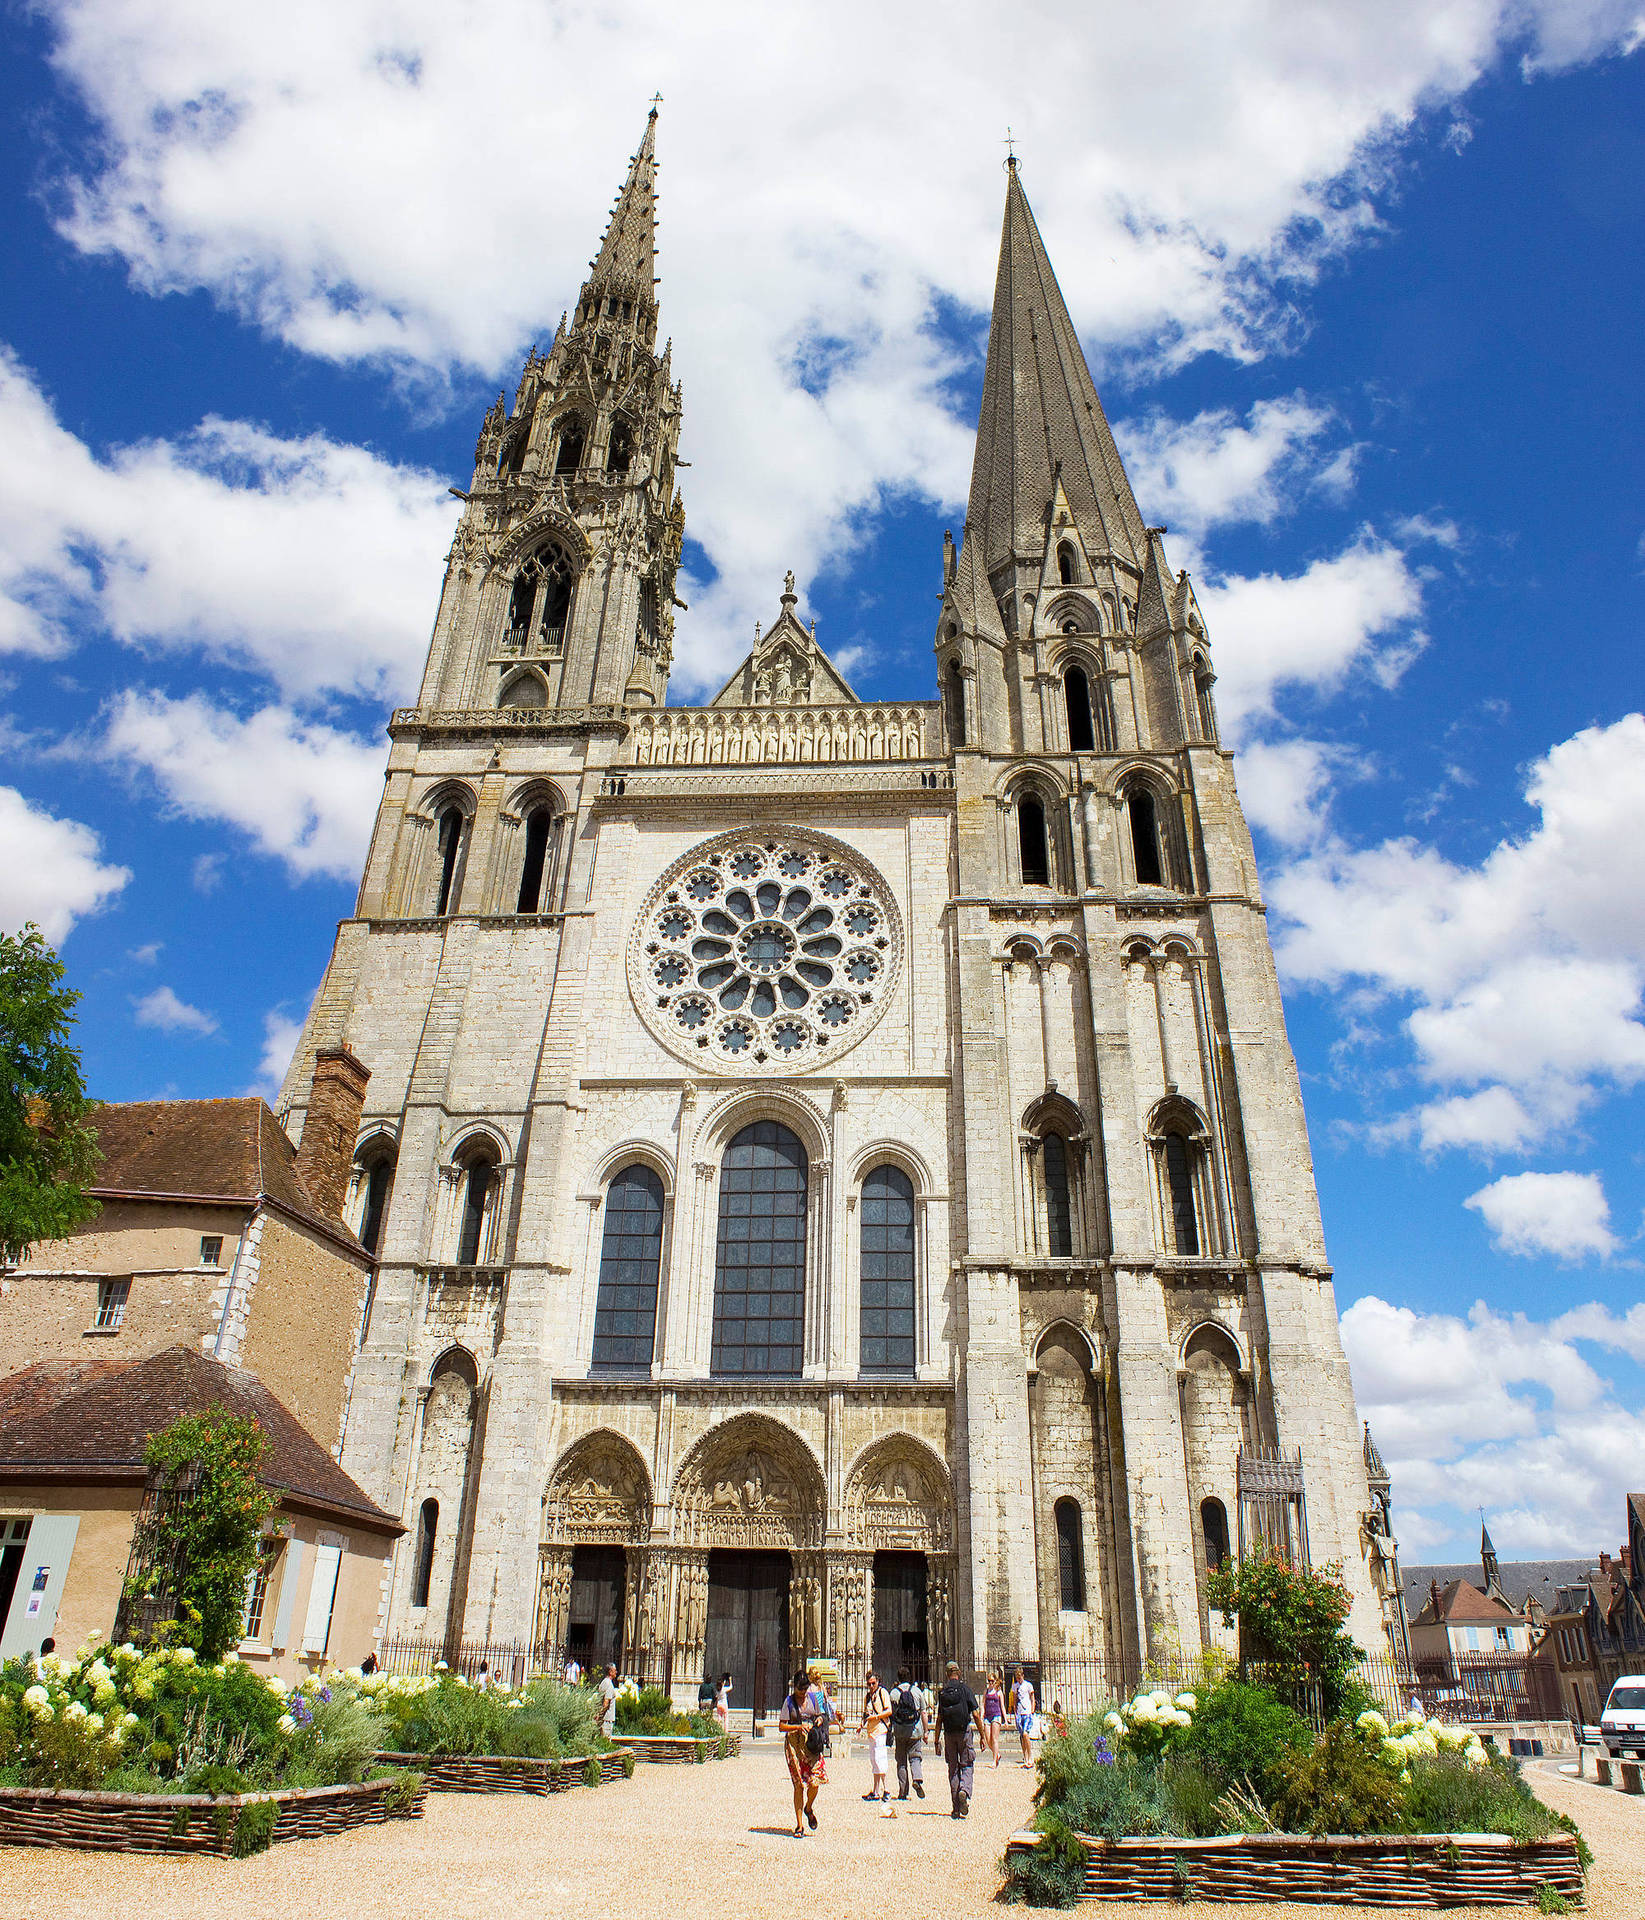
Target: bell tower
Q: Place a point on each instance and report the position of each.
(559, 588)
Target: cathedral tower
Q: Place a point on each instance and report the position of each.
(836, 1171)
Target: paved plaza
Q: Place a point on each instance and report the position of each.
(670, 1838)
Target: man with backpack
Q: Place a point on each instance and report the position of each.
(959, 1718)
(908, 1733)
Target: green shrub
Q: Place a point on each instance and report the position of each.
(1187, 1799)
(1549, 1899)
(651, 1711)
(254, 1830)
(1049, 1875)
(66, 1753)
(344, 1734)
(1240, 1732)
(591, 1774)
(1444, 1795)
(1340, 1786)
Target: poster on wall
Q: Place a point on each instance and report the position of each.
(37, 1593)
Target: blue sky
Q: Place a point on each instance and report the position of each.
(1363, 305)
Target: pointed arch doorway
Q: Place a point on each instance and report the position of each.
(747, 1634)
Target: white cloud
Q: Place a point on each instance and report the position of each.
(1526, 971)
(227, 542)
(280, 1036)
(52, 872)
(164, 1010)
(147, 954)
(303, 793)
(358, 186)
(1284, 787)
(1564, 1214)
(1502, 1411)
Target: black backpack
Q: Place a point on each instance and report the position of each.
(905, 1707)
(952, 1710)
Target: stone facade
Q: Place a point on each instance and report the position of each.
(961, 1014)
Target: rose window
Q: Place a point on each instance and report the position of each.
(765, 954)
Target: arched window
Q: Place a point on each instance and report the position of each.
(954, 701)
(513, 457)
(1070, 1557)
(887, 1272)
(631, 1254)
(422, 1570)
(452, 832)
(572, 438)
(1145, 847)
(379, 1183)
(759, 1270)
(1179, 1185)
(1213, 1520)
(540, 602)
(1065, 564)
(620, 448)
(525, 690)
(537, 871)
(1059, 1219)
(478, 1207)
(1076, 693)
(1036, 857)
(1202, 697)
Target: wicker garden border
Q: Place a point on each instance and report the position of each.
(1372, 1870)
(191, 1822)
(511, 1773)
(666, 1748)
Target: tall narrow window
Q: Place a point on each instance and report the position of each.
(1213, 1520)
(954, 700)
(539, 823)
(572, 437)
(514, 453)
(1145, 838)
(428, 1522)
(1036, 862)
(540, 602)
(451, 850)
(1070, 1557)
(759, 1271)
(378, 1182)
(620, 448)
(1059, 1221)
(479, 1189)
(268, 1551)
(631, 1253)
(1076, 693)
(1179, 1181)
(887, 1272)
(111, 1303)
(1065, 564)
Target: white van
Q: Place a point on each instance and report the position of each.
(1622, 1724)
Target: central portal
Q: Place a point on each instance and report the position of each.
(900, 1637)
(747, 1615)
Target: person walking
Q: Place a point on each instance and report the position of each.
(993, 1715)
(876, 1717)
(608, 1702)
(959, 1716)
(907, 1729)
(804, 1724)
(573, 1675)
(722, 1702)
(1022, 1706)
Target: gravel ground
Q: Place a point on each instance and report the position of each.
(669, 1838)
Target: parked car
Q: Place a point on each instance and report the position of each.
(1622, 1724)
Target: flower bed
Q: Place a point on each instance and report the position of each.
(1405, 1870)
(683, 1747)
(514, 1773)
(197, 1822)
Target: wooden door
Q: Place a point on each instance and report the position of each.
(747, 1611)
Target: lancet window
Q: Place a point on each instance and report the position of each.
(480, 1182)
(625, 1312)
(1076, 693)
(542, 834)
(540, 603)
(573, 438)
(1033, 848)
(759, 1271)
(451, 838)
(1070, 1557)
(954, 703)
(887, 1331)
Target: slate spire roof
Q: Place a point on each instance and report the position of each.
(626, 264)
(1041, 419)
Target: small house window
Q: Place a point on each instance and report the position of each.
(1145, 849)
(428, 1522)
(111, 1303)
(1036, 861)
(1213, 1520)
(1070, 1557)
(1179, 1181)
(1059, 1224)
(1076, 693)
(211, 1249)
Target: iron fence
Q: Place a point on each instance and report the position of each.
(508, 1663)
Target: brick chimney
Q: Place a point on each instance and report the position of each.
(326, 1151)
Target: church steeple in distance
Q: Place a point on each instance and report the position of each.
(560, 588)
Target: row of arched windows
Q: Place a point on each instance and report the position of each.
(540, 828)
(759, 1264)
(570, 446)
(1153, 861)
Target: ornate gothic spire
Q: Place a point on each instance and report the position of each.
(625, 268)
(1041, 418)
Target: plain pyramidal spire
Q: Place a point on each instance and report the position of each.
(626, 266)
(1041, 419)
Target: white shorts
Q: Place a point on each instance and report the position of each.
(876, 1750)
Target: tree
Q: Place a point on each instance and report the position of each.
(48, 1154)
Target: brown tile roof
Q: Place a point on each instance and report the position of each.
(205, 1150)
(96, 1415)
(1461, 1602)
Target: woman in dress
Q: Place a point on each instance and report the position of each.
(876, 1717)
(722, 1702)
(993, 1714)
(804, 1726)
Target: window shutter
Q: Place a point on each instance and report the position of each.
(322, 1592)
(281, 1637)
(50, 1545)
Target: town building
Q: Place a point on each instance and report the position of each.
(1595, 1630)
(847, 1186)
(214, 1230)
(73, 1482)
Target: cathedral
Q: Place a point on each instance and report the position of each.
(836, 1169)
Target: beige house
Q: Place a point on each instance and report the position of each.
(72, 1481)
(216, 1232)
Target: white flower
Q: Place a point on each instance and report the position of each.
(1187, 1700)
(74, 1711)
(1372, 1722)
(130, 1720)
(1476, 1756)
(441, 1667)
(94, 1723)
(98, 1674)
(184, 1656)
(287, 1724)
(38, 1701)
(276, 1686)
(231, 1659)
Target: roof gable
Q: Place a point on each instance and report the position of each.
(786, 668)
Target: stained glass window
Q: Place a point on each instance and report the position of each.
(759, 1273)
(887, 1272)
(625, 1312)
